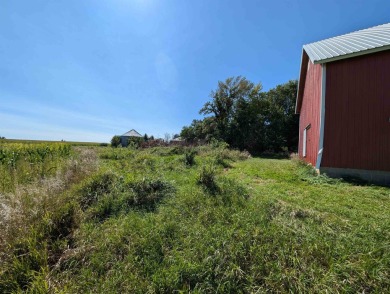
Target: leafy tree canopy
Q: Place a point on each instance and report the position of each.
(240, 114)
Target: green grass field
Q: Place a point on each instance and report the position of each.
(204, 220)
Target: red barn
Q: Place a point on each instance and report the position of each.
(344, 105)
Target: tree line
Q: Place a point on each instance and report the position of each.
(245, 117)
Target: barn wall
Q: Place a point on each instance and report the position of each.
(310, 113)
(357, 112)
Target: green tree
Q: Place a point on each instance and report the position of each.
(134, 142)
(200, 130)
(225, 100)
(231, 107)
(283, 123)
(243, 116)
(115, 141)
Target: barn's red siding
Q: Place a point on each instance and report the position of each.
(310, 113)
(357, 112)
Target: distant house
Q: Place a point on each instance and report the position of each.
(130, 134)
(344, 105)
(178, 139)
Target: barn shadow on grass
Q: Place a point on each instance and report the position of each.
(357, 181)
(271, 155)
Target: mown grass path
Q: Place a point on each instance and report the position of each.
(341, 231)
(282, 180)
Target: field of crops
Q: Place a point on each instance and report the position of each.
(22, 163)
(72, 143)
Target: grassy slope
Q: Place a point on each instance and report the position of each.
(294, 232)
(260, 225)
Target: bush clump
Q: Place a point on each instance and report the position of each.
(232, 192)
(177, 150)
(63, 221)
(115, 141)
(221, 159)
(207, 179)
(189, 157)
(95, 188)
(147, 193)
(144, 194)
(224, 155)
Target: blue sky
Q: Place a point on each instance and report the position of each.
(86, 70)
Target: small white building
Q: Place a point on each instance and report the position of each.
(130, 134)
(178, 139)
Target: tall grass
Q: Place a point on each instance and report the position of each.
(37, 221)
(144, 222)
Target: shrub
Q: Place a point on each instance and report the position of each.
(233, 155)
(144, 160)
(214, 143)
(219, 159)
(152, 143)
(189, 157)
(232, 192)
(99, 185)
(59, 230)
(239, 155)
(207, 180)
(115, 141)
(147, 193)
(143, 194)
(177, 150)
(105, 208)
(63, 221)
(134, 142)
(168, 151)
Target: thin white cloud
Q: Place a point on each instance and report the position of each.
(55, 114)
(17, 126)
(42, 122)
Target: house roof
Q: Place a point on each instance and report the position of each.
(349, 45)
(132, 133)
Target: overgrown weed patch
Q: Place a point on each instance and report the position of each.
(148, 222)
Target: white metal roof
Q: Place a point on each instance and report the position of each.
(132, 133)
(353, 44)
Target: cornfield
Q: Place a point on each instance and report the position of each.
(24, 162)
